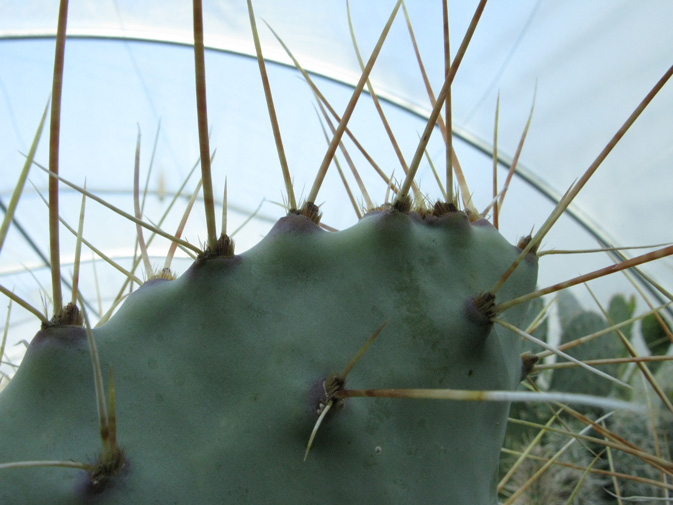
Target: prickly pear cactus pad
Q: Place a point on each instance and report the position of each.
(220, 374)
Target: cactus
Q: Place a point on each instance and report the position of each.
(245, 344)
(651, 432)
(374, 363)
(606, 346)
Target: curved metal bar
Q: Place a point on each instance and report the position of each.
(524, 173)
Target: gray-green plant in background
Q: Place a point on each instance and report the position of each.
(651, 432)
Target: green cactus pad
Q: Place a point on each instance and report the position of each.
(578, 323)
(219, 375)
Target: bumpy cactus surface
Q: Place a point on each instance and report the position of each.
(220, 374)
